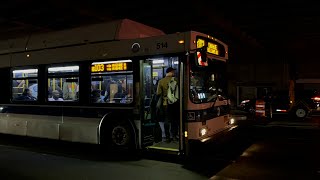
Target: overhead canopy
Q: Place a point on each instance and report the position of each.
(130, 30)
(109, 31)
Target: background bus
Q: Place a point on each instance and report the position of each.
(96, 84)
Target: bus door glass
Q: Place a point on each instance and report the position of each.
(146, 90)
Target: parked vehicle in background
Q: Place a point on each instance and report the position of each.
(248, 105)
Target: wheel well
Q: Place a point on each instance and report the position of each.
(111, 118)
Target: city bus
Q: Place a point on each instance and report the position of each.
(97, 85)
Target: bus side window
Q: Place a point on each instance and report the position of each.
(63, 83)
(113, 88)
(24, 85)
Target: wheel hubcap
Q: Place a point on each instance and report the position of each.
(119, 135)
(300, 113)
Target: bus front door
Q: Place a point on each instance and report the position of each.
(147, 111)
(151, 132)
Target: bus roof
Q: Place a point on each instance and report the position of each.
(118, 39)
(109, 31)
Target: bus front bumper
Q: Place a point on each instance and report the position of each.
(217, 137)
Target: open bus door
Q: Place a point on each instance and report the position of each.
(150, 129)
(146, 95)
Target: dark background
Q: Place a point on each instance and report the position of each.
(257, 32)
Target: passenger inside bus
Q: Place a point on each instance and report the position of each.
(70, 91)
(55, 96)
(26, 96)
(113, 89)
(96, 96)
(168, 114)
(120, 94)
(57, 88)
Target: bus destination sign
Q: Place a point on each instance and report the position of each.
(111, 67)
(213, 47)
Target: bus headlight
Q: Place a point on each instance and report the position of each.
(203, 131)
(232, 121)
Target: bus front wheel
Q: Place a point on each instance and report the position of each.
(121, 135)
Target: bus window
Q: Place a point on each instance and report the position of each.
(63, 83)
(112, 88)
(25, 85)
(112, 82)
(207, 84)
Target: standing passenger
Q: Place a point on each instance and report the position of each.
(167, 108)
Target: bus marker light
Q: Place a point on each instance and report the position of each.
(186, 134)
(181, 41)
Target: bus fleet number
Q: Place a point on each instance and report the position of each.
(162, 45)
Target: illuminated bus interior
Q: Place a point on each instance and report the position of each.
(153, 120)
(24, 85)
(63, 83)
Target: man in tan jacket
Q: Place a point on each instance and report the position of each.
(168, 119)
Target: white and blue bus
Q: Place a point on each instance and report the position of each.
(96, 84)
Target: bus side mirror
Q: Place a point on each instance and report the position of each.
(201, 55)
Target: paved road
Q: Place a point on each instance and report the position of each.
(28, 165)
(278, 150)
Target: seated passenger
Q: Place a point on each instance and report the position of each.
(26, 96)
(126, 99)
(95, 96)
(55, 96)
(120, 94)
(50, 89)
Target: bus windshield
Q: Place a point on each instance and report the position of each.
(207, 83)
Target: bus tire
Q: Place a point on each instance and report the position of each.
(119, 135)
(300, 112)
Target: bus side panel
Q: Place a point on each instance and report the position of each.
(75, 124)
(31, 120)
(37, 127)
